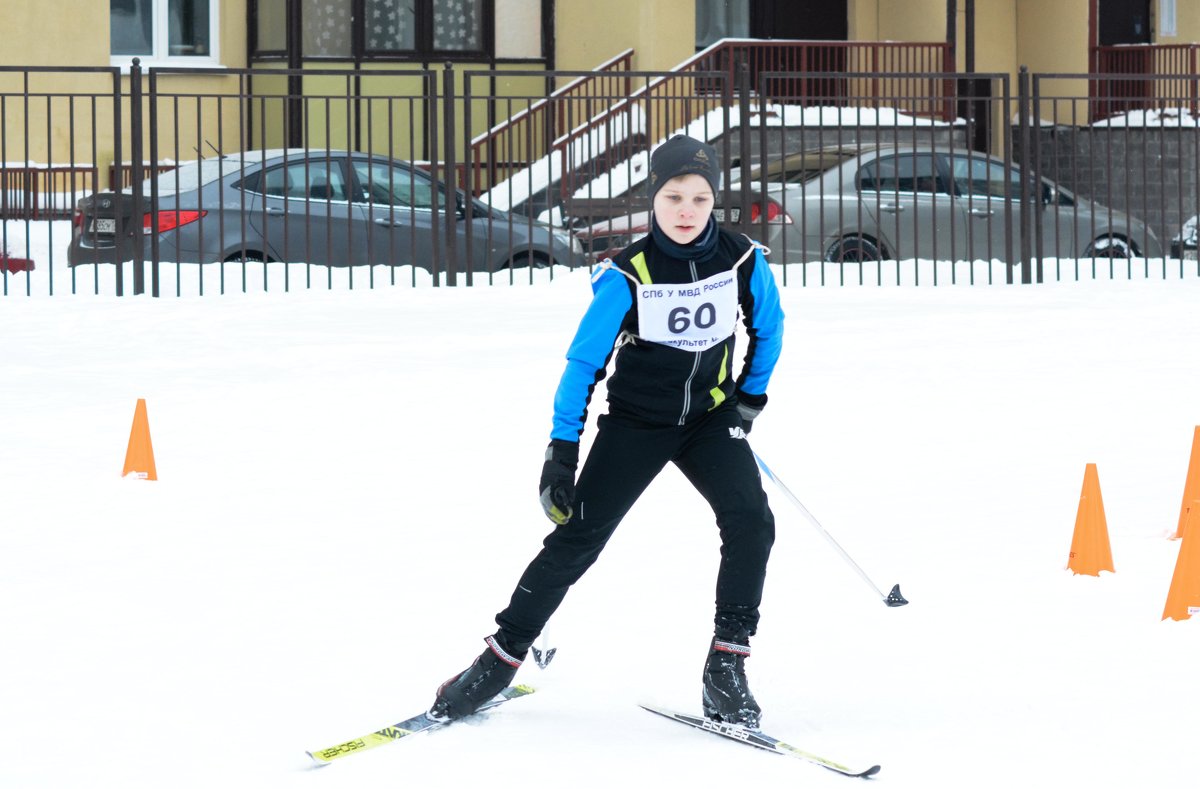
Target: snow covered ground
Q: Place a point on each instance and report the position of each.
(346, 496)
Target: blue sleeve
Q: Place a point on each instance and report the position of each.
(588, 355)
(764, 326)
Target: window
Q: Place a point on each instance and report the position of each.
(390, 26)
(387, 185)
(718, 19)
(917, 173)
(985, 178)
(163, 30)
(365, 29)
(457, 25)
(270, 28)
(313, 179)
(326, 28)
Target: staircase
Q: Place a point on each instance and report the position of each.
(600, 122)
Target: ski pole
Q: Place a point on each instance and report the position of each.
(543, 656)
(893, 599)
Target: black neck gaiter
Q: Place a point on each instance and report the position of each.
(702, 250)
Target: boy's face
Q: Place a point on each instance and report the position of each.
(682, 207)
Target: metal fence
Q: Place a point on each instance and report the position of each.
(135, 183)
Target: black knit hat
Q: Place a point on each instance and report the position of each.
(683, 155)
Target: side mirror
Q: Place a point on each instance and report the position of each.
(1049, 195)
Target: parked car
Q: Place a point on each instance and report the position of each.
(323, 207)
(1184, 244)
(876, 202)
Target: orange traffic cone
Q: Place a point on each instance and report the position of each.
(1090, 551)
(1183, 599)
(139, 457)
(1191, 486)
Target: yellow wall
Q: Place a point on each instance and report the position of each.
(1051, 37)
(662, 33)
(863, 22)
(911, 20)
(58, 32)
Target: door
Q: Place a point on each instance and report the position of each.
(1122, 22)
(305, 213)
(910, 199)
(807, 20)
(982, 185)
(820, 20)
(1119, 23)
(398, 203)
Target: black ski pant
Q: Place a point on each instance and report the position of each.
(626, 455)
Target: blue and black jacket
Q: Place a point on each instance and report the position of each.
(655, 383)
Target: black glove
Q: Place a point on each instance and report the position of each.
(748, 407)
(557, 485)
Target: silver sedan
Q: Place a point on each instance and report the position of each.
(322, 207)
(877, 202)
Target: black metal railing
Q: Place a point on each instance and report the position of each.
(925, 177)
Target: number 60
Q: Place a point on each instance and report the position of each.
(680, 319)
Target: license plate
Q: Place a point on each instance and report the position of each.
(735, 214)
(104, 226)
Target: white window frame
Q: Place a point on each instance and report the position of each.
(159, 57)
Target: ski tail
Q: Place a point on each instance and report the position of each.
(758, 739)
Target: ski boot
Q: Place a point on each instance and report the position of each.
(726, 694)
(466, 692)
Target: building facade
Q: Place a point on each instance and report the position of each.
(219, 62)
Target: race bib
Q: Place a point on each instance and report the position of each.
(691, 316)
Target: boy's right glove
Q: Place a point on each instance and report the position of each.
(749, 407)
(557, 485)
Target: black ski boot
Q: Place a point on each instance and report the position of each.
(727, 695)
(467, 691)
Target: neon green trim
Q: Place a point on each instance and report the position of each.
(717, 395)
(639, 265)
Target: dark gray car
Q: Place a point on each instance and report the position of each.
(322, 207)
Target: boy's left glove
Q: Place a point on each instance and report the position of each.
(749, 407)
(557, 486)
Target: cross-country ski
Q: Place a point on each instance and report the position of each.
(414, 725)
(759, 739)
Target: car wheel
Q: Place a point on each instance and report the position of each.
(528, 260)
(852, 249)
(1114, 247)
(249, 256)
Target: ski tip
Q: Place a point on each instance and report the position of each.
(657, 710)
(894, 598)
(523, 690)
